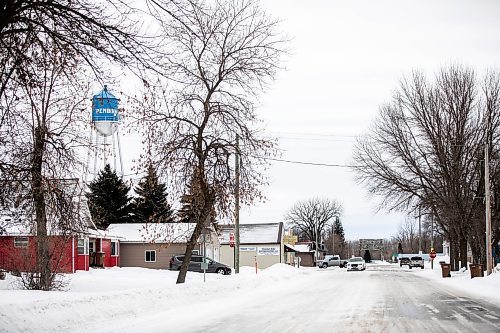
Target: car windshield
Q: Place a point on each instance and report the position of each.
(355, 259)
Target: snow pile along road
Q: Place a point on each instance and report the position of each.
(100, 294)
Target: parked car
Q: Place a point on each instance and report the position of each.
(404, 261)
(195, 265)
(416, 262)
(330, 261)
(356, 264)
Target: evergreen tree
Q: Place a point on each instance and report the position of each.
(339, 230)
(108, 199)
(367, 256)
(151, 204)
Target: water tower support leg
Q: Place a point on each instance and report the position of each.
(86, 166)
(95, 154)
(114, 150)
(119, 150)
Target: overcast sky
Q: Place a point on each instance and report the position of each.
(347, 59)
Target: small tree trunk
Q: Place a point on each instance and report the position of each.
(463, 252)
(181, 278)
(42, 254)
(454, 252)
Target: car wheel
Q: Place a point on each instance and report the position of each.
(409, 266)
(324, 265)
(422, 267)
(220, 271)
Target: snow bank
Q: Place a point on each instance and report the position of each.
(487, 287)
(102, 294)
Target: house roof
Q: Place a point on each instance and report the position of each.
(301, 247)
(263, 233)
(152, 232)
(21, 222)
(8, 227)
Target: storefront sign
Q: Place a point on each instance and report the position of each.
(268, 251)
(247, 249)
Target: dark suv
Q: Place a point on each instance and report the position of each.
(404, 261)
(195, 265)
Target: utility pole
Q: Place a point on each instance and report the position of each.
(237, 207)
(432, 231)
(419, 230)
(489, 263)
(333, 240)
(316, 248)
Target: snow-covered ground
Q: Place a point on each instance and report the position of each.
(105, 299)
(487, 287)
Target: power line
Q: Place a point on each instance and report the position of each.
(316, 134)
(309, 163)
(314, 139)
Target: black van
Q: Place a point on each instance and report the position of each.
(195, 265)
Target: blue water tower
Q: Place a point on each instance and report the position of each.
(105, 112)
(104, 140)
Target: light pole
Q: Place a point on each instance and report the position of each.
(489, 262)
(237, 207)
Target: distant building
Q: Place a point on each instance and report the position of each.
(261, 243)
(375, 246)
(152, 245)
(306, 252)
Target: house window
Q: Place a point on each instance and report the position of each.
(83, 246)
(195, 252)
(151, 256)
(92, 247)
(21, 241)
(114, 248)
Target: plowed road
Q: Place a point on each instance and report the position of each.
(380, 299)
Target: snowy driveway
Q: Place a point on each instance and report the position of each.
(383, 298)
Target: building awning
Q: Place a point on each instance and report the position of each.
(301, 248)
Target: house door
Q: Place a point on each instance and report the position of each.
(216, 254)
(92, 252)
(91, 246)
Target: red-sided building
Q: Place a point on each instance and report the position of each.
(68, 253)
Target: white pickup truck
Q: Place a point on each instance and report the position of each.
(331, 260)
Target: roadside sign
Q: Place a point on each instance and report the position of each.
(231, 239)
(290, 239)
(268, 251)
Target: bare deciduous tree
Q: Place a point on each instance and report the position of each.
(425, 150)
(84, 28)
(223, 54)
(41, 142)
(313, 217)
